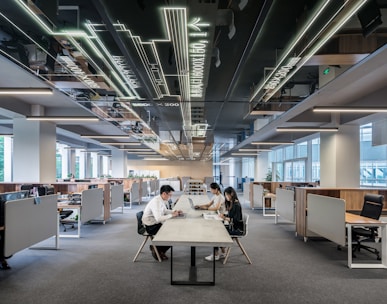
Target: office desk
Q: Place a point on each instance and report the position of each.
(327, 218)
(192, 231)
(271, 197)
(357, 220)
(66, 205)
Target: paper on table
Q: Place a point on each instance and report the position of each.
(212, 216)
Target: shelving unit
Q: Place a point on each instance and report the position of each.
(194, 187)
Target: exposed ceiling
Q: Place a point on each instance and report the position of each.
(186, 78)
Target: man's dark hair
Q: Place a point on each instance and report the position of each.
(166, 189)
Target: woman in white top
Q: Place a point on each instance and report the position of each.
(217, 202)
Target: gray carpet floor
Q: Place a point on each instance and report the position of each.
(98, 268)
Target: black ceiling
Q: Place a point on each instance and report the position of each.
(264, 30)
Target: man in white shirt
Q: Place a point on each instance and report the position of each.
(156, 213)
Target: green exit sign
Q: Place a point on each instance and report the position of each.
(326, 71)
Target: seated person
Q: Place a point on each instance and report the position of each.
(156, 213)
(217, 201)
(233, 218)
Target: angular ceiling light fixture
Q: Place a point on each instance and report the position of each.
(26, 91)
(306, 129)
(350, 109)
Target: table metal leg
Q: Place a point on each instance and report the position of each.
(192, 279)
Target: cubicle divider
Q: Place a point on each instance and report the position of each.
(153, 186)
(92, 205)
(144, 189)
(256, 199)
(134, 194)
(285, 205)
(29, 221)
(326, 217)
(117, 197)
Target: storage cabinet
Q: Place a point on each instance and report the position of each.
(194, 187)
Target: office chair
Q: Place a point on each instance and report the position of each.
(372, 208)
(236, 239)
(64, 214)
(142, 231)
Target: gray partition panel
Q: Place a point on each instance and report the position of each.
(27, 223)
(117, 196)
(257, 196)
(144, 189)
(135, 193)
(326, 217)
(92, 204)
(284, 204)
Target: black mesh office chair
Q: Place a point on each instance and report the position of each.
(372, 208)
(64, 214)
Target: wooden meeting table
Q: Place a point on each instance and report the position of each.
(192, 230)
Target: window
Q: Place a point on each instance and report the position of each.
(373, 160)
(297, 163)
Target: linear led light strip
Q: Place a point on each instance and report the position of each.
(306, 129)
(176, 21)
(62, 118)
(351, 109)
(273, 143)
(37, 19)
(290, 48)
(347, 14)
(254, 150)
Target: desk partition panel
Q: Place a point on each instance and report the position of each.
(326, 217)
(285, 205)
(257, 197)
(92, 204)
(117, 196)
(28, 222)
(135, 193)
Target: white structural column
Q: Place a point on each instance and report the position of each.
(73, 161)
(88, 165)
(262, 166)
(34, 151)
(340, 157)
(119, 163)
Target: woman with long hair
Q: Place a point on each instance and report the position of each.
(233, 218)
